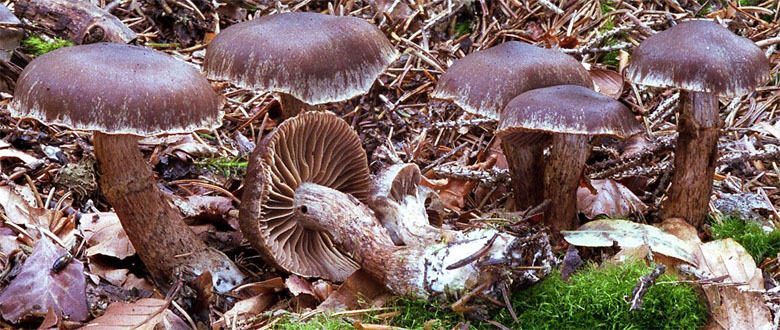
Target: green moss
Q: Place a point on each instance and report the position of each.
(759, 243)
(318, 323)
(36, 46)
(594, 299)
(606, 6)
(463, 26)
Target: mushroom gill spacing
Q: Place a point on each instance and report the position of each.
(315, 147)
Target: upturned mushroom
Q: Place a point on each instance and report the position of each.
(483, 83)
(398, 200)
(313, 147)
(706, 60)
(306, 58)
(121, 93)
(564, 117)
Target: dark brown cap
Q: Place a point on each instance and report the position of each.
(699, 56)
(567, 109)
(482, 83)
(314, 57)
(316, 147)
(116, 89)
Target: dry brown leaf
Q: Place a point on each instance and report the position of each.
(360, 289)
(144, 314)
(733, 308)
(113, 275)
(611, 198)
(7, 153)
(243, 309)
(609, 83)
(452, 192)
(105, 235)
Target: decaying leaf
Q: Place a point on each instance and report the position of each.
(733, 306)
(452, 192)
(115, 276)
(144, 314)
(629, 234)
(609, 83)
(243, 309)
(37, 287)
(611, 198)
(105, 235)
(357, 291)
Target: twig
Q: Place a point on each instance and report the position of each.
(645, 282)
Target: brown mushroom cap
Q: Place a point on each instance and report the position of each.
(316, 147)
(116, 89)
(482, 83)
(314, 57)
(699, 56)
(567, 109)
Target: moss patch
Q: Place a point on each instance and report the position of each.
(759, 243)
(36, 46)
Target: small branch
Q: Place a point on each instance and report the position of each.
(489, 176)
(645, 282)
(464, 123)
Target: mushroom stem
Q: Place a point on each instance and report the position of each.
(442, 270)
(562, 173)
(694, 158)
(291, 106)
(525, 163)
(157, 230)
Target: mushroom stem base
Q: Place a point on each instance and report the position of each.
(471, 261)
(694, 159)
(562, 173)
(157, 230)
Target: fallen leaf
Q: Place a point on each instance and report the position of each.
(611, 198)
(629, 234)
(36, 288)
(7, 153)
(734, 306)
(105, 235)
(609, 83)
(144, 314)
(358, 290)
(245, 308)
(452, 191)
(113, 275)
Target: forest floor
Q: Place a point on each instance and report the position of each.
(50, 185)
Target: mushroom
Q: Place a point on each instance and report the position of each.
(564, 117)
(123, 92)
(707, 60)
(483, 83)
(314, 147)
(306, 58)
(398, 200)
(11, 33)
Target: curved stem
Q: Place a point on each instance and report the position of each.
(157, 230)
(694, 159)
(562, 174)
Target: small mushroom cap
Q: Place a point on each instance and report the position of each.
(314, 57)
(10, 37)
(567, 109)
(699, 56)
(482, 83)
(316, 147)
(396, 181)
(116, 89)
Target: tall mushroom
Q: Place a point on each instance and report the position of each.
(707, 60)
(123, 92)
(306, 58)
(564, 117)
(483, 83)
(313, 147)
